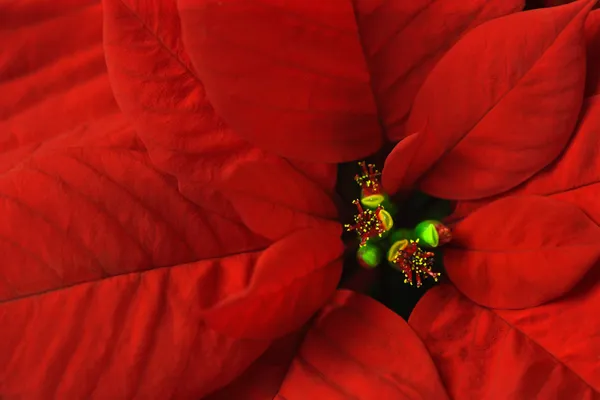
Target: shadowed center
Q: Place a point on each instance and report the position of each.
(406, 249)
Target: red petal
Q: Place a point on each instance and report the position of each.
(99, 260)
(521, 251)
(399, 163)
(575, 167)
(262, 380)
(113, 273)
(501, 104)
(290, 281)
(574, 177)
(107, 269)
(290, 78)
(156, 87)
(359, 349)
(592, 36)
(325, 175)
(274, 199)
(41, 64)
(546, 352)
(186, 139)
(326, 46)
(403, 41)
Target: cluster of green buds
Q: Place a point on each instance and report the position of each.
(405, 249)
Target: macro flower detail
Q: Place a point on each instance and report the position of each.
(396, 247)
(378, 235)
(368, 256)
(180, 173)
(433, 233)
(371, 191)
(370, 224)
(374, 221)
(415, 263)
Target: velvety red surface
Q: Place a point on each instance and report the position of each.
(515, 90)
(167, 192)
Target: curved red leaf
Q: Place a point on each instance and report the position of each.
(167, 104)
(290, 78)
(592, 40)
(41, 65)
(575, 167)
(501, 104)
(573, 177)
(106, 258)
(290, 281)
(521, 251)
(399, 163)
(116, 257)
(245, 74)
(157, 89)
(262, 380)
(585, 198)
(403, 41)
(324, 175)
(104, 284)
(359, 349)
(546, 352)
(274, 199)
(115, 339)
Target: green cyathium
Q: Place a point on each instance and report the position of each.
(369, 255)
(427, 233)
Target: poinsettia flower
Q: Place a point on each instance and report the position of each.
(558, 54)
(164, 245)
(122, 246)
(546, 148)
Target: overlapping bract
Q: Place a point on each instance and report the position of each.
(155, 247)
(528, 241)
(127, 243)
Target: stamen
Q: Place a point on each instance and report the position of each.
(370, 224)
(415, 264)
(371, 191)
(375, 220)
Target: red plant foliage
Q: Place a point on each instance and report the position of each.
(169, 227)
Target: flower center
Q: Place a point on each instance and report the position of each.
(403, 247)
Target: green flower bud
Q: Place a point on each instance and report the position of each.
(432, 233)
(372, 201)
(427, 233)
(368, 256)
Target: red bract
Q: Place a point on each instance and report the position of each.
(498, 107)
(521, 251)
(168, 182)
(126, 245)
(503, 226)
(547, 352)
(355, 348)
(305, 66)
(514, 250)
(575, 172)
